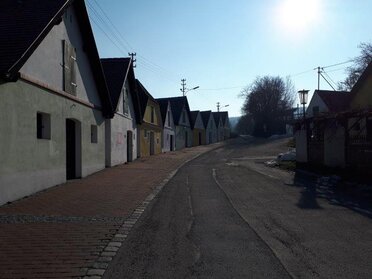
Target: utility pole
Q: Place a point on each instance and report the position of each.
(319, 73)
(133, 55)
(183, 84)
(219, 106)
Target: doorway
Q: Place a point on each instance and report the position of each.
(171, 143)
(152, 143)
(186, 142)
(200, 138)
(129, 146)
(73, 149)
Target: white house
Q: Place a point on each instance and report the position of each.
(322, 140)
(181, 117)
(210, 127)
(169, 129)
(121, 130)
(219, 125)
(324, 101)
(53, 96)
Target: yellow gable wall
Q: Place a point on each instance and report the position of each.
(145, 140)
(147, 117)
(363, 97)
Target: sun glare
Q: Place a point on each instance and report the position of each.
(298, 15)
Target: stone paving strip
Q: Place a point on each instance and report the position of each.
(74, 230)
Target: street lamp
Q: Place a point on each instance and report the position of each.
(187, 90)
(219, 106)
(184, 90)
(303, 99)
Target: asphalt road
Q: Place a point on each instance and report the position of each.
(226, 215)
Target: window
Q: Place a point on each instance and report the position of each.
(183, 117)
(69, 68)
(145, 134)
(125, 101)
(152, 115)
(43, 125)
(169, 122)
(93, 134)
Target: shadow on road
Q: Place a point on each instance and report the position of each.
(335, 194)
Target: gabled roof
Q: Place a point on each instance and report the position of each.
(116, 71)
(143, 97)
(224, 116)
(205, 117)
(336, 101)
(367, 72)
(25, 23)
(193, 116)
(217, 117)
(177, 104)
(163, 104)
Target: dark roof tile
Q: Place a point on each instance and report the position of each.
(115, 70)
(177, 104)
(336, 101)
(205, 117)
(21, 23)
(193, 117)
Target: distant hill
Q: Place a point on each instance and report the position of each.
(233, 122)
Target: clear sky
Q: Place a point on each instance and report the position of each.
(223, 45)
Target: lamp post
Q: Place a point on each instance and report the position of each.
(303, 99)
(219, 106)
(187, 90)
(184, 90)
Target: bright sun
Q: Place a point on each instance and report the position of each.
(298, 15)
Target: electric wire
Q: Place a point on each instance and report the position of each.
(114, 31)
(118, 40)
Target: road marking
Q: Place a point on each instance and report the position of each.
(190, 203)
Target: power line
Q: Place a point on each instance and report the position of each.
(338, 64)
(222, 88)
(123, 42)
(113, 25)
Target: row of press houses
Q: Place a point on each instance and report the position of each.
(65, 113)
(337, 132)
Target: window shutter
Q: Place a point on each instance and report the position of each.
(69, 68)
(72, 59)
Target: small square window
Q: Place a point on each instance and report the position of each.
(93, 134)
(43, 125)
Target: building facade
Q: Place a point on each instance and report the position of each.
(149, 129)
(210, 127)
(181, 118)
(53, 98)
(121, 130)
(169, 129)
(198, 129)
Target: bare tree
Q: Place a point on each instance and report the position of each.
(268, 100)
(360, 64)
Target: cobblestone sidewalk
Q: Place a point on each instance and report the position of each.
(73, 230)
